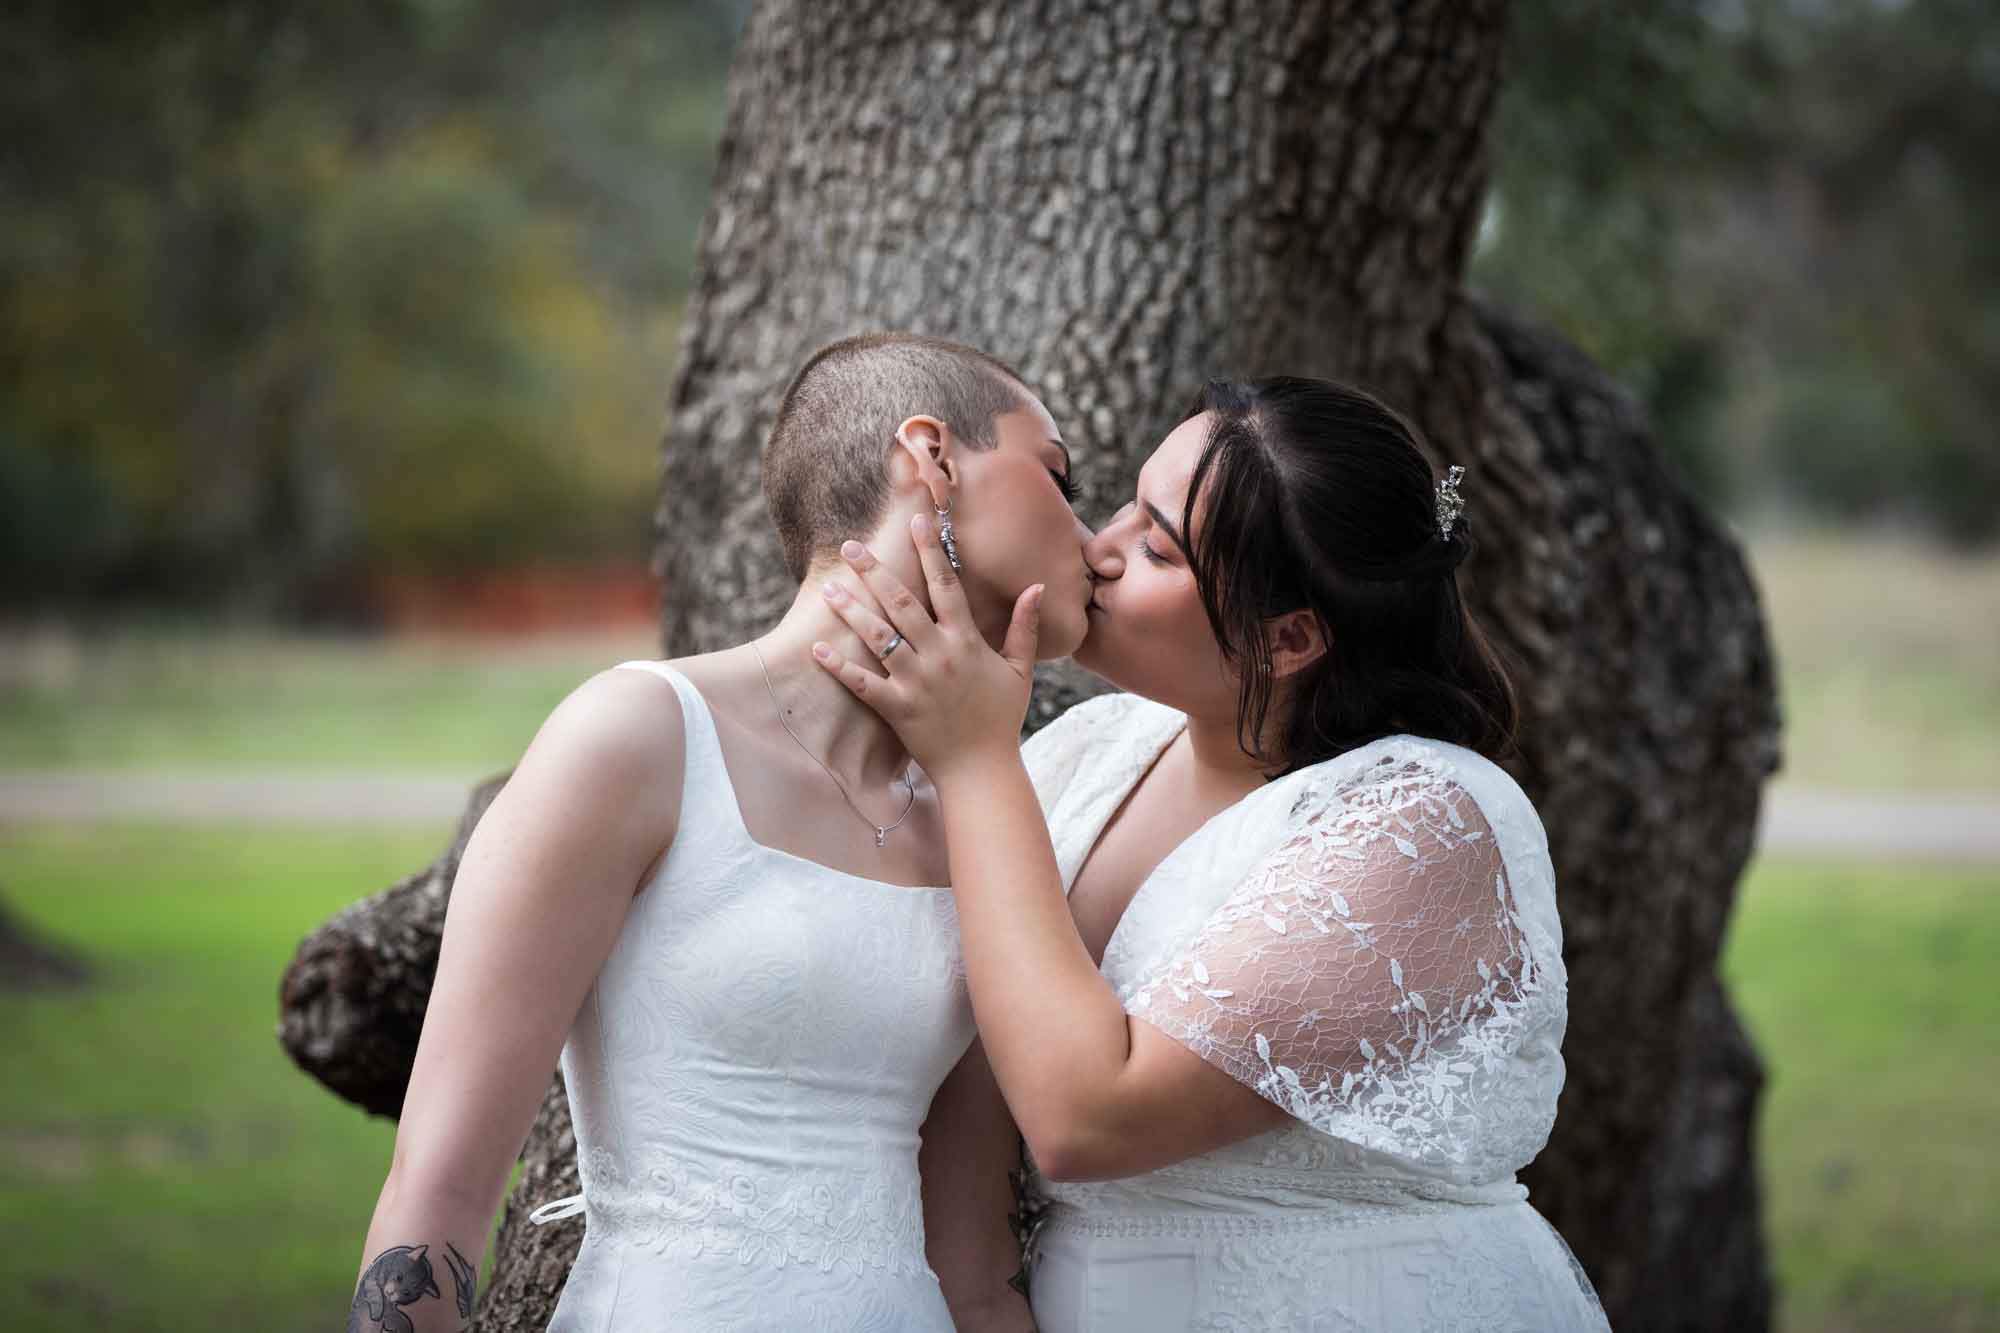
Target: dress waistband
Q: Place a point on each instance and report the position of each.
(1331, 1203)
(824, 1218)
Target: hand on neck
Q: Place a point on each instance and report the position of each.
(845, 734)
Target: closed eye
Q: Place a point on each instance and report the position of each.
(1070, 490)
(1146, 549)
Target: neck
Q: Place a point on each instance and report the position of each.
(1219, 760)
(845, 734)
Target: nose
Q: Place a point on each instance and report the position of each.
(1102, 556)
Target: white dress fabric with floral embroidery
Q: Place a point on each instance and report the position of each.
(746, 1079)
(1372, 944)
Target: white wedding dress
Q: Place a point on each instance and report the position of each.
(746, 1079)
(1372, 944)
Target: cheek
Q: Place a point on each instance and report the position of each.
(1157, 641)
(1048, 538)
(1017, 538)
(1015, 513)
(1169, 608)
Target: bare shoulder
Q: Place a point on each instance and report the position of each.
(626, 718)
(613, 751)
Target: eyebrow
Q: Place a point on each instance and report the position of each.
(1161, 519)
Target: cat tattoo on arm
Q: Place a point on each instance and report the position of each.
(401, 1275)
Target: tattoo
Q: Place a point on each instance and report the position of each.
(401, 1275)
(464, 1276)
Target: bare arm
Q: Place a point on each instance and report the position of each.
(970, 1147)
(1096, 1092)
(542, 891)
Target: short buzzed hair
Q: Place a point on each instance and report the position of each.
(824, 479)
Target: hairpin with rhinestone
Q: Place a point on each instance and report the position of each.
(1449, 505)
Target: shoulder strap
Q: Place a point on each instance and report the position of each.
(707, 798)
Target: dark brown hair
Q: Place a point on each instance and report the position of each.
(823, 463)
(1316, 496)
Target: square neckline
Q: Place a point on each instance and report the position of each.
(713, 736)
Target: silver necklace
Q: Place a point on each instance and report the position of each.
(882, 831)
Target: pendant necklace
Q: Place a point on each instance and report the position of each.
(882, 831)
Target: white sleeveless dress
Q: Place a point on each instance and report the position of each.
(746, 1079)
(1372, 944)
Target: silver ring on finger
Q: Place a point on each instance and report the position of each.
(890, 647)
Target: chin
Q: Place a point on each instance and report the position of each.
(1098, 654)
(1063, 637)
(1086, 654)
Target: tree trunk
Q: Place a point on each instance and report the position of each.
(30, 961)
(1123, 200)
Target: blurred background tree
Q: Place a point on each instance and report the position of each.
(294, 293)
(293, 296)
(1761, 214)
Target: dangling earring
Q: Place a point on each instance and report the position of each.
(944, 534)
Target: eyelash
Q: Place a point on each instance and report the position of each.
(1070, 490)
(1147, 550)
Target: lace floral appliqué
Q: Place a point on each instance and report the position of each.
(1372, 975)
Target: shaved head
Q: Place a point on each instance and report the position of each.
(825, 478)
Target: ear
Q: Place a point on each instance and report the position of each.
(1295, 640)
(925, 444)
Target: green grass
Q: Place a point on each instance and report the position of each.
(1888, 660)
(1871, 995)
(166, 1167)
(187, 696)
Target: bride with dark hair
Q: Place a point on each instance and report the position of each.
(1263, 950)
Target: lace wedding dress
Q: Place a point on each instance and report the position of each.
(746, 1079)
(1372, 944)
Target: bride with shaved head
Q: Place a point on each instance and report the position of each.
(715, 891)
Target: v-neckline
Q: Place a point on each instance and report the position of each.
(1118, 802)
(1145, 769)
(1115, 802)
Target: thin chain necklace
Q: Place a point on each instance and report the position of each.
(882, 831)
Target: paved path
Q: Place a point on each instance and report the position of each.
(1932, 826)
(1943, 826)
(277, 797)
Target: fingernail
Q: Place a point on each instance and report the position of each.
(1040, 588)
(920, 524)
(822, 652)
(853, 550)
(833, 592)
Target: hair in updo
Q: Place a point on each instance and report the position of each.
(1314, 495)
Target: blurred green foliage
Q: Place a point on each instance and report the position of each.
(290, 292)
(1773, 219)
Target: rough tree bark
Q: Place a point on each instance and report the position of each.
(31, 961)
(1122, 200)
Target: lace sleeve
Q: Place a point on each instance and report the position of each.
(1367, 976)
